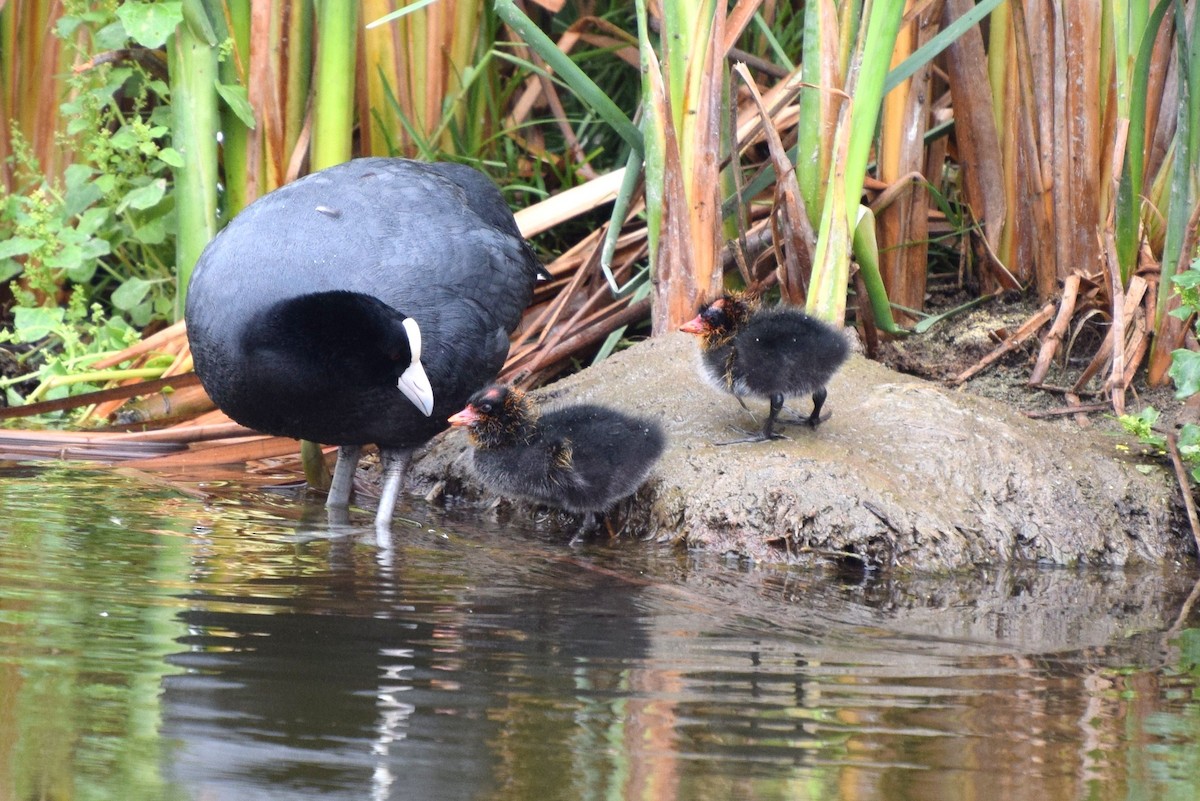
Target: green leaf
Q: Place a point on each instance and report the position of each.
(94, 248)
(129, 294)
(1187, 278)
(66, 25)
(1182, 312)
(386, 18)
(124, 138)
(150, 24)
(80, 269)
(106, 183)
(144, 197)
(81, 197)
(78, 175)
(171, 157)
(141, 313)
(18, 246)
(110, 37)
(1189, 440)
(90, 221)
(33, 324)
(1141, 425)
(9, 269)
(235, 97)
(152, 232)
(1185, 372)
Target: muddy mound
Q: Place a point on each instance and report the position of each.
(906, 473)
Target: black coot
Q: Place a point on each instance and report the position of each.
(582, 458)
(360, 304)
(768, 353)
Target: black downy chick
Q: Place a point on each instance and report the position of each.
(771, 353)
(582, 458)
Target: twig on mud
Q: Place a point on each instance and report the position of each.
(1181, 475)
(1027, 329)
(1050, 345)
(1062, 411)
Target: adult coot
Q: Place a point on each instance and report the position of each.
(747, 350)
(582, 458)
(360, 304)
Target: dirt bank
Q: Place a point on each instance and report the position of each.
(906, 473)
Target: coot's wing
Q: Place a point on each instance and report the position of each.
(447, 230)
(481, 195)
(559, 453)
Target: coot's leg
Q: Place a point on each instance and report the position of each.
(395, 465)
(586, 527)
(814, 419)
(343, 476)
(768, 429)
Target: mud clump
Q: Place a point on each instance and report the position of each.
(905, 474)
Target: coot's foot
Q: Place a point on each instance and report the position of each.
(812, 420)
(755, 436)
(587, 528)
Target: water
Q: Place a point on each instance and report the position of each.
(157, 643)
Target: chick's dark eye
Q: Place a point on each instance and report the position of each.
(485, 407)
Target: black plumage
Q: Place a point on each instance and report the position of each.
(360, 304)
(582, 458)
(771, 353)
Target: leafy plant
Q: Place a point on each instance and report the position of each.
(89, 256)
(1141, 425)
(1185, 372)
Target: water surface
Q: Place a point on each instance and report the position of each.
(166, 641)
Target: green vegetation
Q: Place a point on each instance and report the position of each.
(1185, 372)
(89, 255)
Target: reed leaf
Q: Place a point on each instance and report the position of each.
(1132, 81)
(333, 92)
(947, 36)
(818, 105)
(192, 61)
(236, 124)
(32, 60)
(853, 137)
(903, 223)
(569, 72)
(1185, 180)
